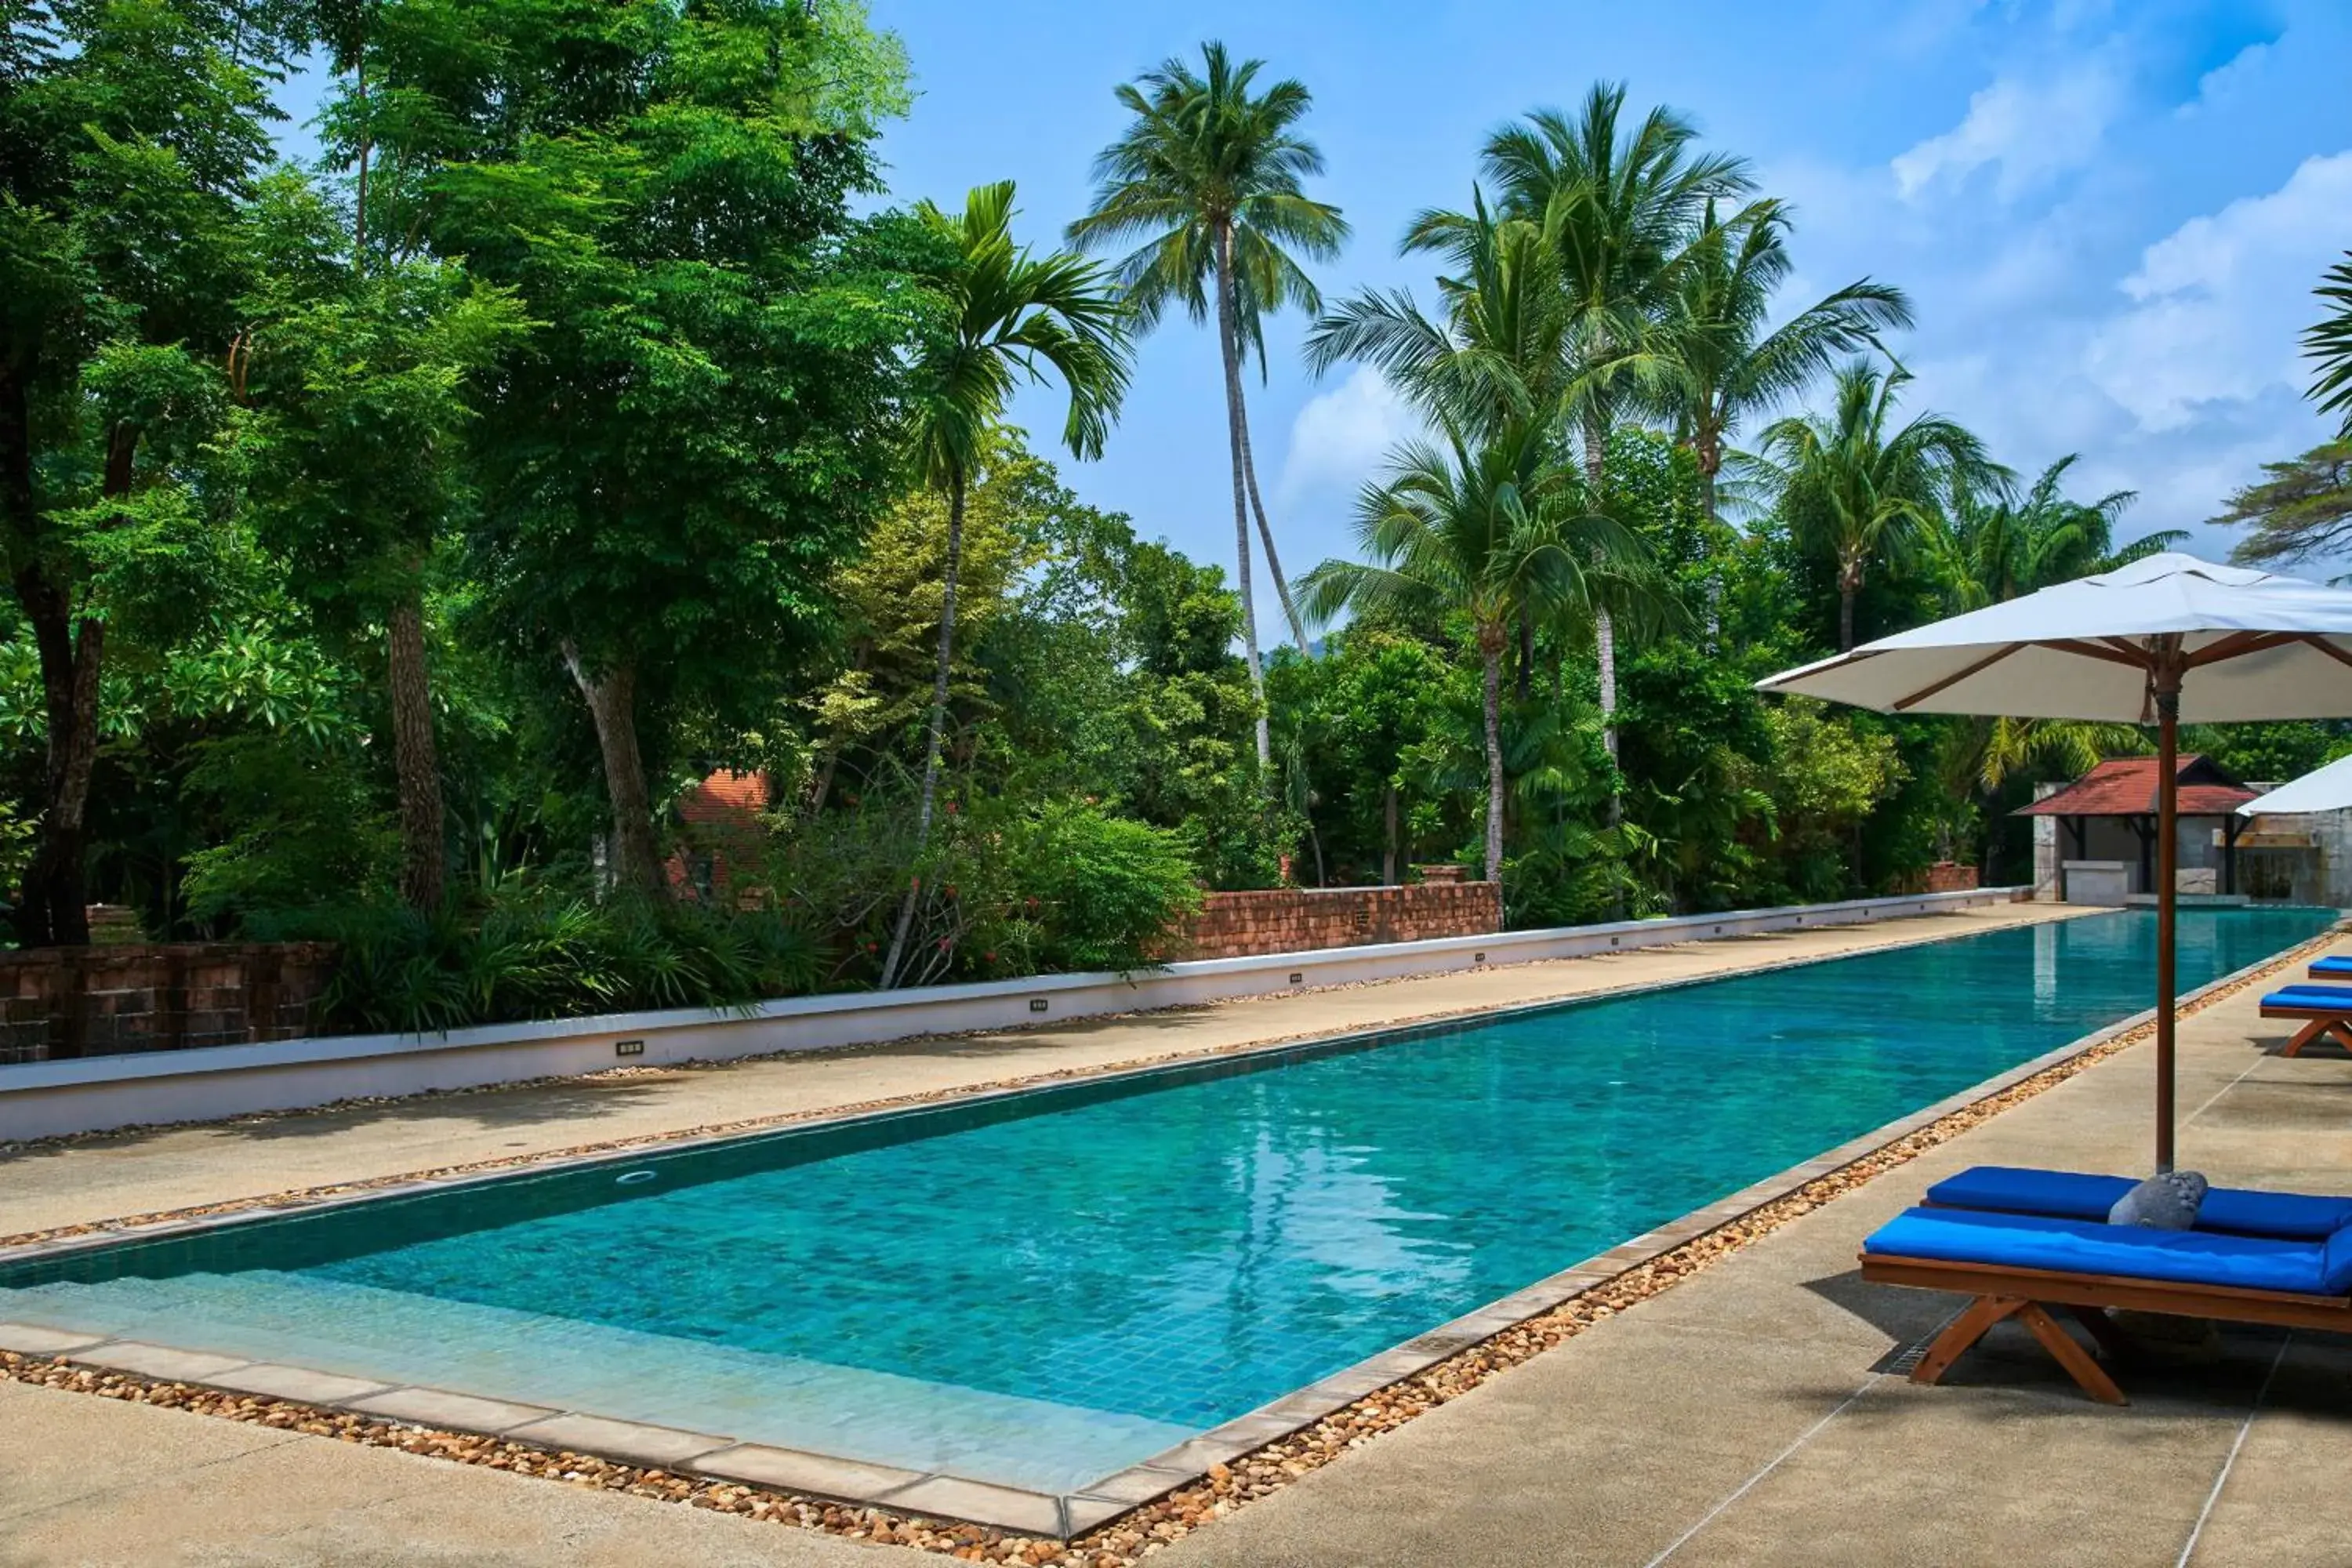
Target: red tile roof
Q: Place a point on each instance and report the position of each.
(2126, 786)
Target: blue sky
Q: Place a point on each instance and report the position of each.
(2109, 216)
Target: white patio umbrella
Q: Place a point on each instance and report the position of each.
(2327, 788)
(2163, 640)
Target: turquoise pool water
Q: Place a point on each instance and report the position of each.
(1044, 1290)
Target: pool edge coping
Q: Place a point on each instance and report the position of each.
(936, 1494)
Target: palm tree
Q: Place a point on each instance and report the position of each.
(1860, 493)
(1491, 529)
(1619, 210)
(1993, 548)
(1497, 356)
(1724, 365)
(1208, 178)
(1013, 314)
(2329, 343)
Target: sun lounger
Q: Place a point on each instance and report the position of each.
(2073, 1194)
(2020, 1265)
(2326, 1010)
(2334, 966)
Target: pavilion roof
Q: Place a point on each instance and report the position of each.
(2126, 786)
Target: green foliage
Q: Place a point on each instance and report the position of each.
(2304, 508)
(538, 953)
(1105, 889)
(1828, 770)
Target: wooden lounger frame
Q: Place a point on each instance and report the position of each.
(2028, 1294)
(2322, 1022)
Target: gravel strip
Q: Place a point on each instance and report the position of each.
(1135, 1536)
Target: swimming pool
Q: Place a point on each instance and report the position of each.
(1041, 1290)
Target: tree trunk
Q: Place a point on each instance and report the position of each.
(1849, 587)
(1266, 534)
(1389, 856)
(612, 704)
(416, 763)
(53, 911)
(1490, 645)
(1604, 626)
(933, 747)
(1229, 347)
(52, 908)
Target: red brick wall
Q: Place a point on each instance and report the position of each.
(60, 1002)
(1304, 920)
(1944, 876)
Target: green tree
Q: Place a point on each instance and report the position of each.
(355, 458)
(699, 425)
(1725, 361)
(1480, 532)
(1011, 313)
(1621, 208)
(134, 134)
(1209, 177)
(1858, 490)
(2304, 508)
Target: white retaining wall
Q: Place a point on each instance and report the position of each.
(41, 1099)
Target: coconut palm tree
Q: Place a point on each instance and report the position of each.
(1206, 183)
(2329, 345)
(1496, 357)
(1015, 315)
(1621, 209)
(1488, 529)
(1726, 361)
(1995, 547)
(1859, 491)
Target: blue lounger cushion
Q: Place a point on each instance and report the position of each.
(2334, 963)
(2306, 995)
(2125, 1251)
(2073, 1195)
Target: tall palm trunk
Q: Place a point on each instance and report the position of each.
(612, 699)
(1491, 642)
(1604, 626)
(1849, 587)
(1229, 346)
(937, 742)
(1265, 537)
(416, 764)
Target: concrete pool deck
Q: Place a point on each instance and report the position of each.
(1741, 1402)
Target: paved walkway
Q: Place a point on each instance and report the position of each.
(1736, 1419)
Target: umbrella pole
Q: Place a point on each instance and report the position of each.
(2167, 873)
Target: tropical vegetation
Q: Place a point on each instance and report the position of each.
(406, 543)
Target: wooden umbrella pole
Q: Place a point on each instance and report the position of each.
(2165, 686)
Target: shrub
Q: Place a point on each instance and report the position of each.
(542, 954)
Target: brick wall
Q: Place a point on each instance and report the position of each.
(62, 1002)
(1944, 876)
(1304, 920)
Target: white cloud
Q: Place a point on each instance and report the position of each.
(2218, 304)
(1341, 437)
(2028, 131)
(2230, 80)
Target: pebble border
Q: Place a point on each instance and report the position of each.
(1225, 1488)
